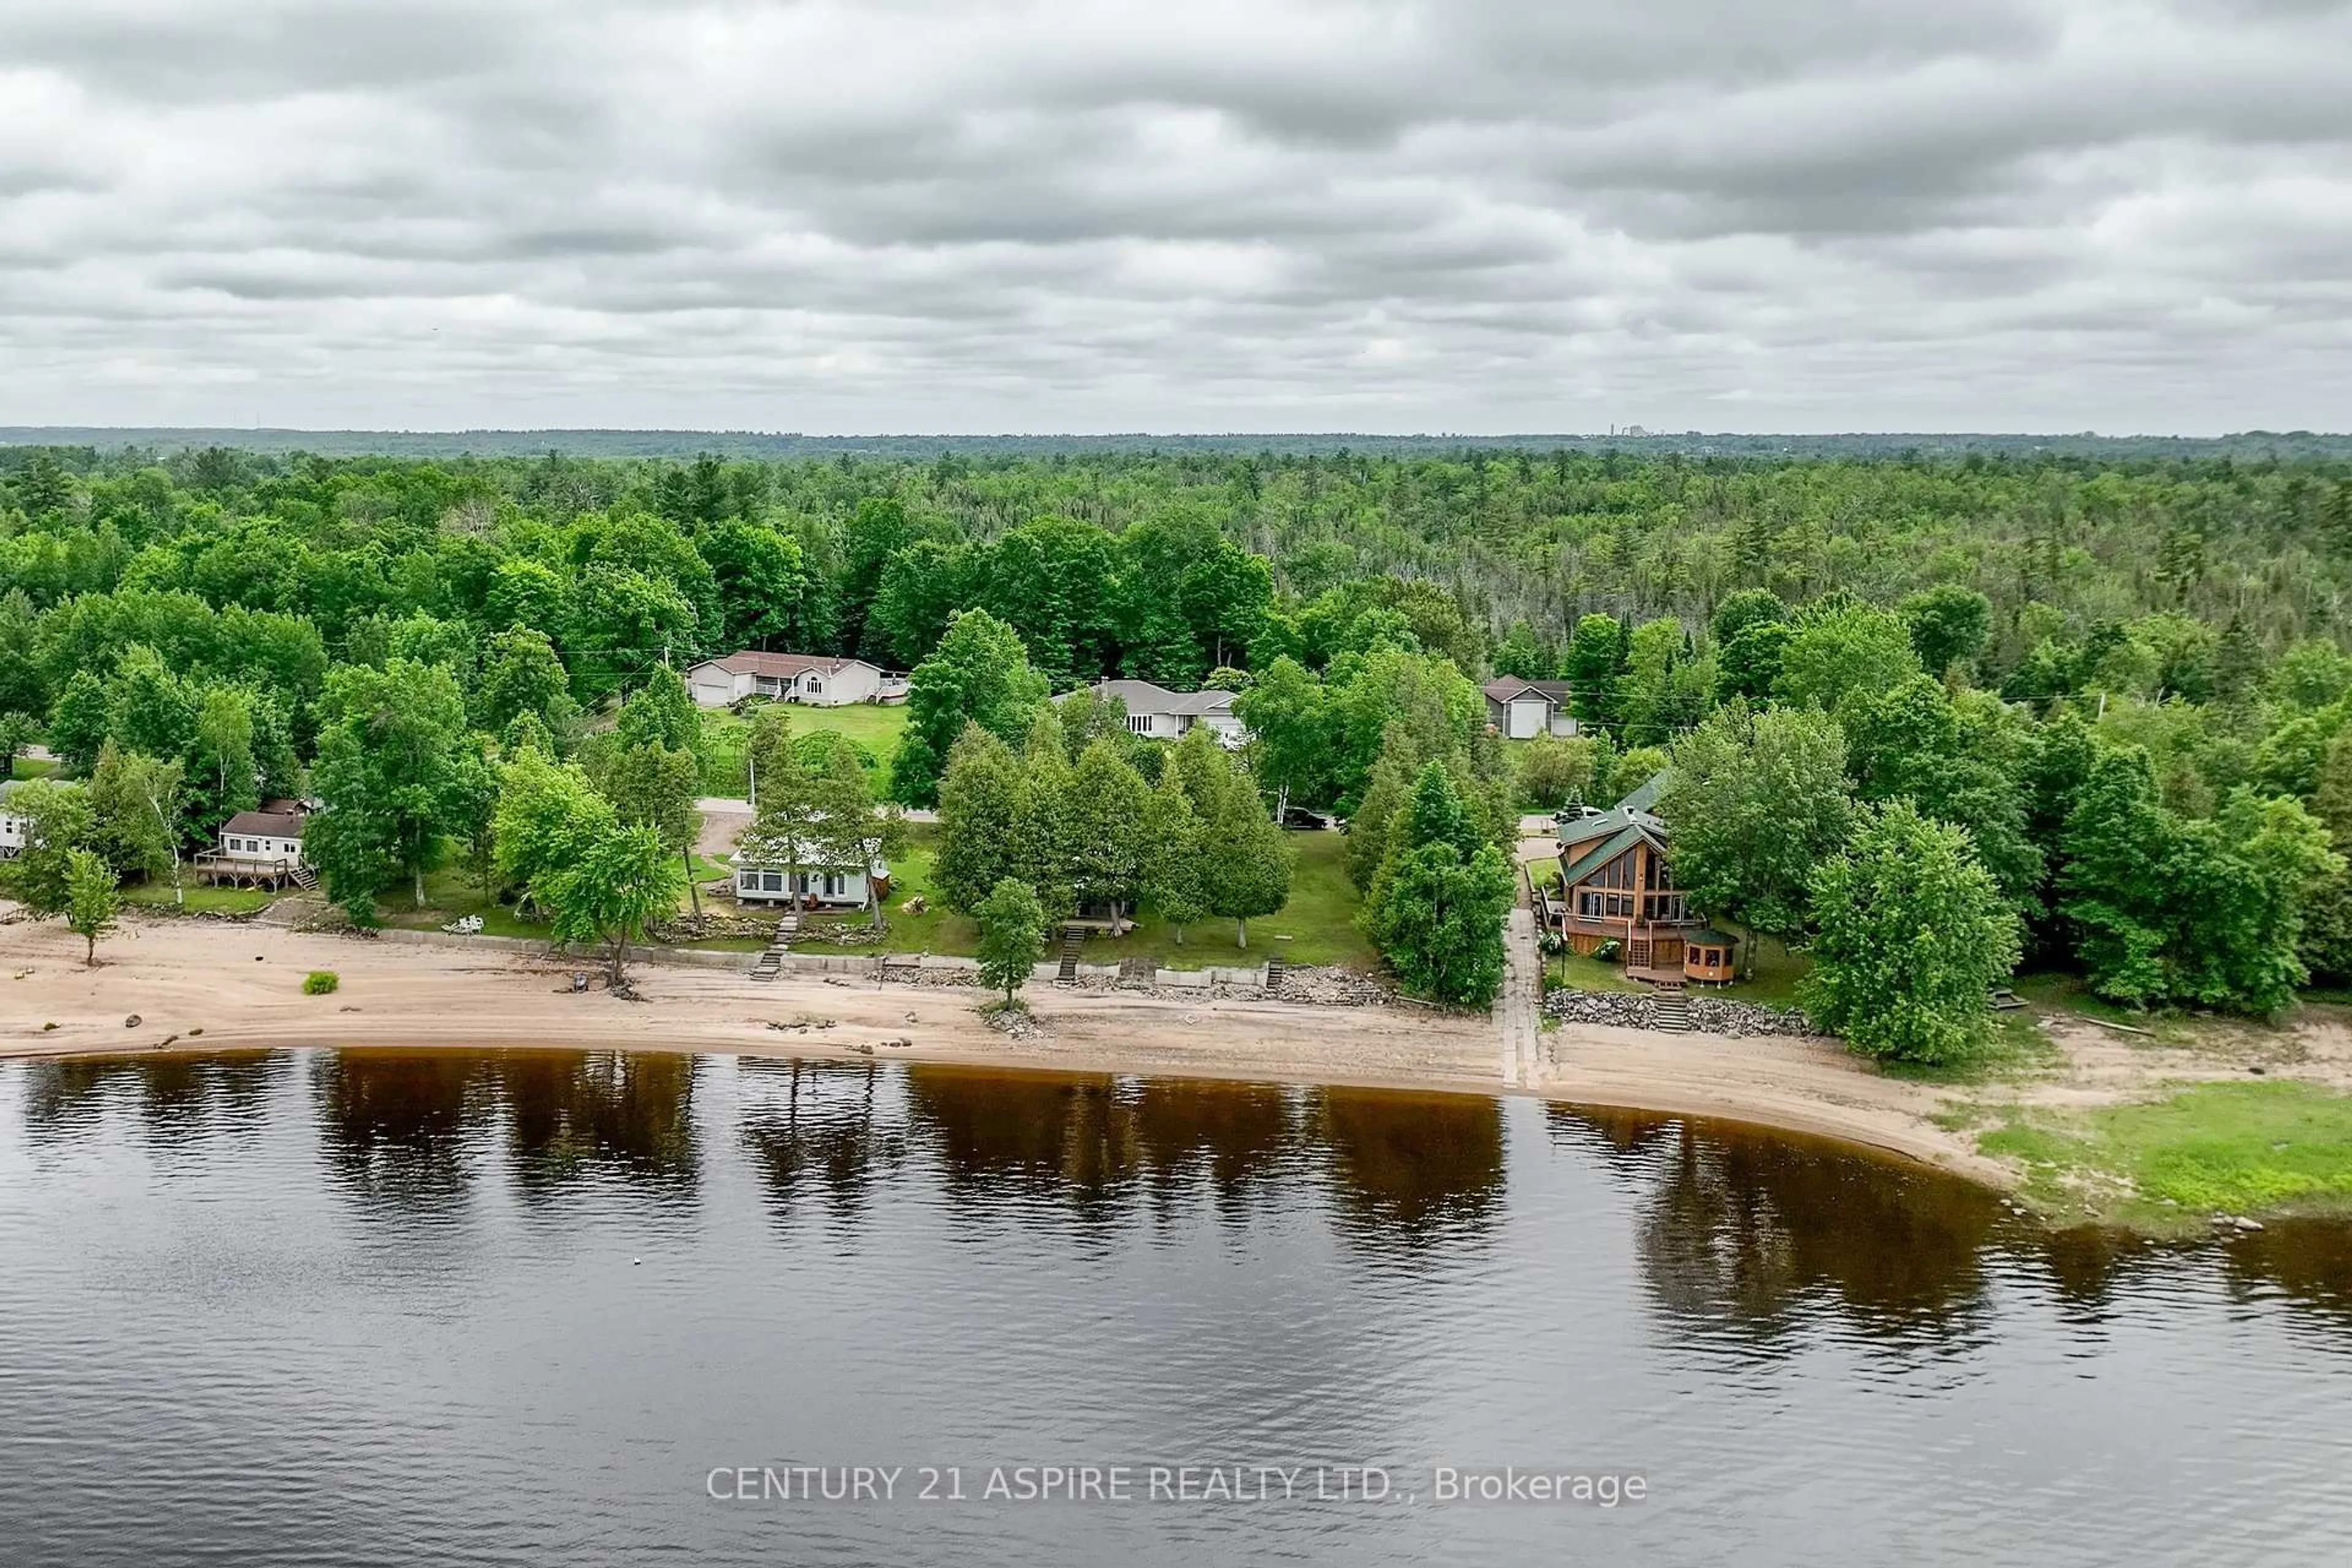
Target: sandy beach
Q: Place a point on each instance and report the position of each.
(211, 985)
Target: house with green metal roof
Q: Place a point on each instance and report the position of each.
(1617, 885)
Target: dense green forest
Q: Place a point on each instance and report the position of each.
(2120, 680)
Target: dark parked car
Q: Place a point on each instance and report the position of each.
(1299, 820)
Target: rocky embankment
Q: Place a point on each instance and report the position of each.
(1709, 1015)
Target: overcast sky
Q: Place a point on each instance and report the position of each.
(1475, 215)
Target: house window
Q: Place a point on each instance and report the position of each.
(1139, 723)
(836, 885)
(771, 881)
(815, 685)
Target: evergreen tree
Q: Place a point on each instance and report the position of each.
(1175, 882)
(1106, 817)
(1590, 667)
(787, 805)
(979, 820)
(1437, 908)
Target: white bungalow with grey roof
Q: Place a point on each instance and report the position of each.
(816, 679)
(1154, 711)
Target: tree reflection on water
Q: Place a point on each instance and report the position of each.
(1737, 1231)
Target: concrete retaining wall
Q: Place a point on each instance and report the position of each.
(865, 963)
(532, 947)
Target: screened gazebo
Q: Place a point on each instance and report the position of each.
(1707, 957)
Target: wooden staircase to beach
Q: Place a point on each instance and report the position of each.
(306, 878)
(1069, 974)
(1674, 1010)
(1275, 969)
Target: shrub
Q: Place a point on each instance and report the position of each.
(320, 983)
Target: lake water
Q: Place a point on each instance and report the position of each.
(478, 1308)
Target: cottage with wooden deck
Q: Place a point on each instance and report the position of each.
(1616, 884)
(259, 848)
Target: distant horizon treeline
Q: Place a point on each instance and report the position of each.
(89, 442)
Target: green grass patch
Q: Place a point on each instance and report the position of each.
(1317, 925)
(33, 767)
(201, 899)
(2017, 1050)
(1778, 969)
(726, 739)
(1576, 972)
(321, 983)
(2236, 1148)
(449, 893)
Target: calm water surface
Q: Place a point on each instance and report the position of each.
(477, 1308)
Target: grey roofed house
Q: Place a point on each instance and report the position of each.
(821, 680)
(1163, 715)
(272, 833)
(1520, 709)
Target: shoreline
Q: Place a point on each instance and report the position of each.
(215, 985)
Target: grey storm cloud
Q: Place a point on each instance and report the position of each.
(1090, 215)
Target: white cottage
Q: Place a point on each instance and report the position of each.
(812, 678)
(263, 846)
(767, 881)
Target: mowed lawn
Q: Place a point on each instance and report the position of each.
(1317, 926)
(874, 726)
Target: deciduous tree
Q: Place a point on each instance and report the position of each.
(611, 885)
(1012, 924)
(1911, 933)
(92, 900)
(979, 674)
(392, 752)
(1754, 801)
